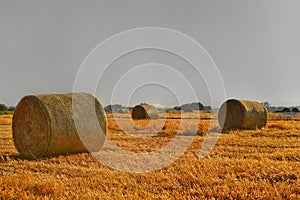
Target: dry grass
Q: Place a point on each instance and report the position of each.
(250, 164)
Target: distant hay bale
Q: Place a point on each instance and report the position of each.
(144, 112)
(240, 114)
(295, 110)
(44, 125)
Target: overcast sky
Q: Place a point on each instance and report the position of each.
(255, 44)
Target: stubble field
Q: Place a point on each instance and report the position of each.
(249, 164)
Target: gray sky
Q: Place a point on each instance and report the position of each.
(255, 44)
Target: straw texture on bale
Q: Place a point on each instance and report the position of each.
(44, 125)
(241, 114)
(144, 112)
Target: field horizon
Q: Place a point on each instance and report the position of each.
(245, 164)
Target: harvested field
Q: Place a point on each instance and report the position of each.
(247, 164)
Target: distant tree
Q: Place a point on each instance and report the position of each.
(266, 104)
(286, 110)
(177, 108)
(11, 108)
(193, 106)
(3, 107)
(107, 108)
(113, 108)
(198, 106)
(207, 108)
(144, 103)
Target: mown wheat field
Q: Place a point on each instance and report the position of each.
(249, 164)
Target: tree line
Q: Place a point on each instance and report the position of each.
(6, 109)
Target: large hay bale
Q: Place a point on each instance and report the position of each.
(44, 125)
(144, 112)
(240, 114)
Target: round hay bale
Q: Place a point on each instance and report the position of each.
(44, 125)
(240, 114)
(295, 110)
(144, 112)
